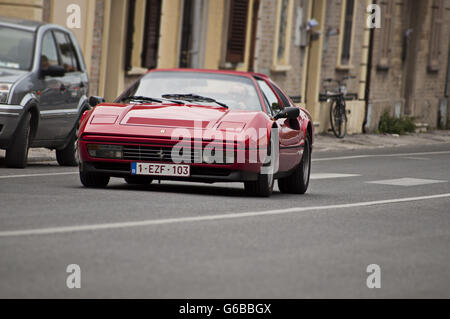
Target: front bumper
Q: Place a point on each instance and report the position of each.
(205, 174)
(200, 172)
(10, 116)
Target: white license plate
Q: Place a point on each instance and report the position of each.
(158, 169)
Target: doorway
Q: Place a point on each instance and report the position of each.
(193, 34)
(415, 11)
(314, 59)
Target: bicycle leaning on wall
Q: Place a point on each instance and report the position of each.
(338, 113)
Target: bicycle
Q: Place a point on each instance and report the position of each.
(338, 113)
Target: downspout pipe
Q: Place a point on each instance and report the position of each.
(368, 78)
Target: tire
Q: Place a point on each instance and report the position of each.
(68, 156)
(338, 118)
(93, 180)
(138, 180)
(263, 186)
(17, 153)
(298, 181)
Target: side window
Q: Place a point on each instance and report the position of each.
(283, 97)
(270, 97)
(68, 55)
(49, 54)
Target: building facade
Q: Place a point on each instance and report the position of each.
(401, 67)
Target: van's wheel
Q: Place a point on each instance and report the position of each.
(93, 180)
(17, 153)
(298, 181)
(263, 186)
(138, 180)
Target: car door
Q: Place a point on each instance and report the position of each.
(51, 92)
(289, 130)
(72, 82)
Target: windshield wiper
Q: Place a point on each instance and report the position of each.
(148, 99)
(140, 98)
(193, 98)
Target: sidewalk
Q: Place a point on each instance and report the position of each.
(322, 143)
(327, 142)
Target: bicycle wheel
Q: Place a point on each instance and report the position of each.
(338, 118)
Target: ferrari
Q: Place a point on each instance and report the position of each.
(198, 126)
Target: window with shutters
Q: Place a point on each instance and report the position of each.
(346, 34)
(144, 18)
(237, 31)
(151, 34)
(387, 11)
(282, 43)
(435, 36)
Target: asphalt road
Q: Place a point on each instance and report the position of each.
(182, 240)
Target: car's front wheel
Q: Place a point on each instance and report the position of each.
(17, 153)
(93, 180)
(298, 181)
(263, 186)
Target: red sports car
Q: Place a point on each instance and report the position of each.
(201, 126)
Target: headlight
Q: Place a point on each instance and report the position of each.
(105, 151)
(4, 92)
(231, 126)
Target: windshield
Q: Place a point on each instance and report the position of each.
(236, 92)
(16, 48)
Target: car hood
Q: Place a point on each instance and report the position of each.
(10, 76)
(186, 116)
(163, 120)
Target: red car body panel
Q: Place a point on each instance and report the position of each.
(153, 125)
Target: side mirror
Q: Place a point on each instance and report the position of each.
(95, 100)
(54, 71)
(288, 113)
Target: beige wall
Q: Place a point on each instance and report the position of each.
(58, 15)
(169, 30)
(114, 57)
(214, 35)
(24, 9)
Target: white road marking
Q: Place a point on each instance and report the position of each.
(415, 158)
(34, 175)
(153, 222)
(331, 175)
(314, 160)
(377, 155)
(407, 181)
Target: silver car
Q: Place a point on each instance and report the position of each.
(43, 90)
